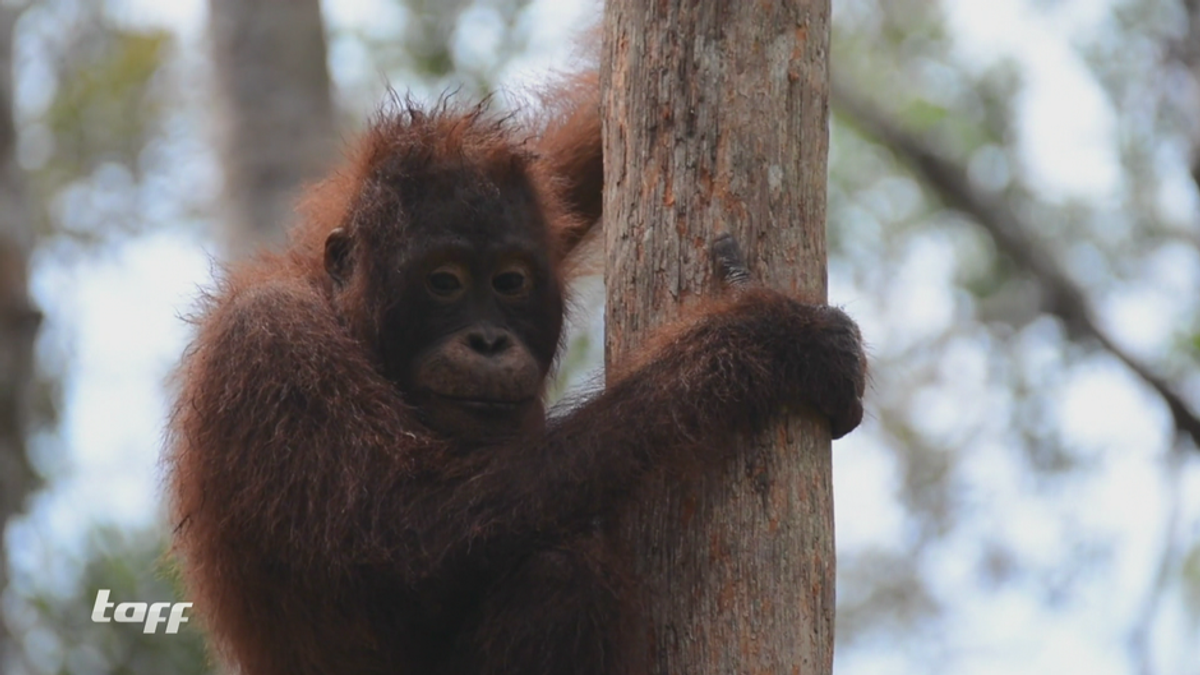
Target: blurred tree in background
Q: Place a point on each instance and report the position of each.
(277, 116)
(18, 317)
(1014, 219)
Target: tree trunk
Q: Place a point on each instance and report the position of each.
(277, 112)
(717, 121)
(18, 317)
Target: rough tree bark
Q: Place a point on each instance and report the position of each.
(18, 317)
(277, 121)
(717, 121)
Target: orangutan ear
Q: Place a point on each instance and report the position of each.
(338, 263)
(572, 151)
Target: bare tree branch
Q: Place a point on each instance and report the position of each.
(1065, 298)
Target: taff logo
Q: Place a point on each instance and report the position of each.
(137, 612)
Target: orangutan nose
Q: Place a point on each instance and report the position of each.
(488, 341)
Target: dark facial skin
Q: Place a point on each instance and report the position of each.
(470, 330)
(477, 371)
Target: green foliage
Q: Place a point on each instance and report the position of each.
(923, 114)
(103, 109)
(101, 100)
(1190, 575)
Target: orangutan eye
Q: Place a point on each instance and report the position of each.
(512, 280)
(446, 282)
(509, 283)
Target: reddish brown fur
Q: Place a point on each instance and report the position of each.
(324, 529)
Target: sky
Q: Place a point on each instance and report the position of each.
(118, 313)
